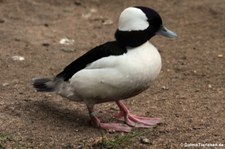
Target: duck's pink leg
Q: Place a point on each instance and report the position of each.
(108, 126)
(133, 120)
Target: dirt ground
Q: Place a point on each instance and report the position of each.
(189, 94)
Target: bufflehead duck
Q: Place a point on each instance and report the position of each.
(115, 70)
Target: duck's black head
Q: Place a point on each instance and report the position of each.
(139, 24)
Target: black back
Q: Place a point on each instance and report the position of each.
(104, 50)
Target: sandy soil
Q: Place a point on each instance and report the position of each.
(189, 94)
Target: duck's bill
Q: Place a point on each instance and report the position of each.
(166, 32)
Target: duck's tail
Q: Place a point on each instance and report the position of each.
(44, 84)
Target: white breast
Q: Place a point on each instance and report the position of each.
(116, 77)
(145, 61)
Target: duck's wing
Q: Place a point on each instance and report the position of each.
(104, 50)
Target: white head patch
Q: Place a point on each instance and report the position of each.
(133, 19)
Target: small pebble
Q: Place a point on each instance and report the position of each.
(209, 86)
(45, 44)
(86, 16)
(111, 131)
(67, 146)
(48, 95)
(107, 22)
(220, 55)
(93, 10)
(18, 58)
(5, 84)
(176, 114)
(80, 146)
(163, 98)
(145, 141)
(66, 41)
(183, 97)
(77, 2)
(46, 25)
(165, 88)
(67, 49)
(197, 90)
(17, 39)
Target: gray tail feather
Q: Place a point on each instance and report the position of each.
(44, 84)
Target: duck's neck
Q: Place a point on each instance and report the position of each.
(133, 38)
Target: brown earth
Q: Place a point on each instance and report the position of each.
(189, 94)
